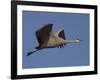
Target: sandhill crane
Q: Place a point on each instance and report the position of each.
(48, 39)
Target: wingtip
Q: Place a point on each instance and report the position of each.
(49, 24)
(62, 29)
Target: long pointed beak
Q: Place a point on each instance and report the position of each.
(81, 40)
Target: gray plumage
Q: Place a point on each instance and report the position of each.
(48, 39)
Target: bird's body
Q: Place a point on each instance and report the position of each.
(53, 41)
(48, 39)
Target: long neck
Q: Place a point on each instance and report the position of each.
(71, 41)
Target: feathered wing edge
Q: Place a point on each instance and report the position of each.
(61, 34)
(43, 33)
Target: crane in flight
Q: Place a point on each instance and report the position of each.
(48, 39)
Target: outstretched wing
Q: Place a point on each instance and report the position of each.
(43, 33)
(62, 34)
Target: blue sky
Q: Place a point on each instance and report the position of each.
(76, 25)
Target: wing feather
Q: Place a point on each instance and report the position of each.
(43, 33)
(62, 34)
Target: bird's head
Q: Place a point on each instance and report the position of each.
(78, 40)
